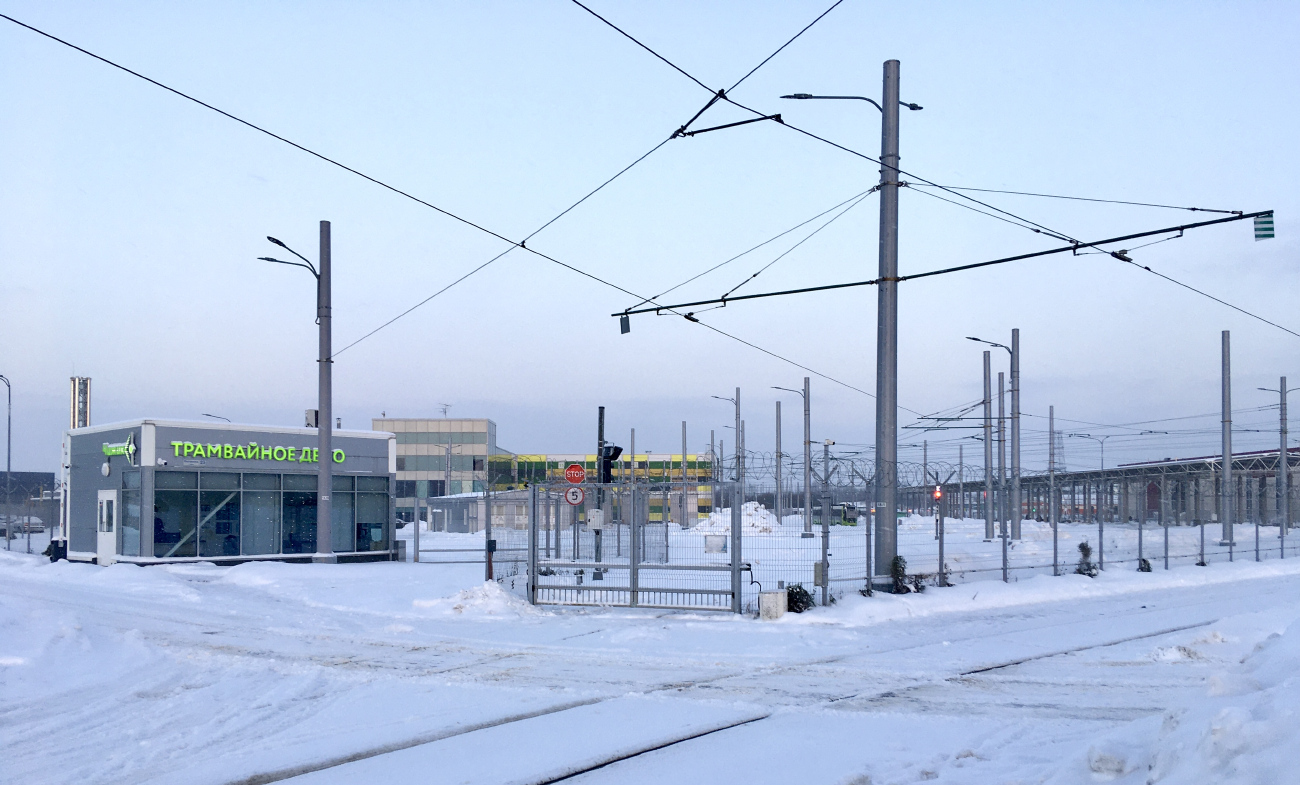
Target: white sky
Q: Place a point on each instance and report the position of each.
(131, 220)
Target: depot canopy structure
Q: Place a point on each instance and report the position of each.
(153, 491)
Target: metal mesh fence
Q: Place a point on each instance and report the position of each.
(715, 546)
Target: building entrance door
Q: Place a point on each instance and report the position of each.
(109, 515)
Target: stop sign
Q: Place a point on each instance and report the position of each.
(574, 473)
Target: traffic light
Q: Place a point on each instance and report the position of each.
(938, 493)
(610, 454)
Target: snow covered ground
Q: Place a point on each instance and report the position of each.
(405, 673)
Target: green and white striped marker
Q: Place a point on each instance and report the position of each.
(1264, 227)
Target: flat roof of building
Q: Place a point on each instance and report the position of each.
(220, 426)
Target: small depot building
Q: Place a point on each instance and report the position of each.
(159, 491)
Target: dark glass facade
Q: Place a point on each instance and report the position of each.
(212, 514)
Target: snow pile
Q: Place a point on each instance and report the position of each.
(489, 599)
(754, 518)
(1244, 730)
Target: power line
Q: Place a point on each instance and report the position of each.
(258, 128)
(1086, 199)
(756, 247)
(535, 232)
(968, 207)
(416, 199)
(783, 46)
(520, 244)
(1212, 297)
(629, 37)
(792, 248)
(959, 268)
(1033, 226)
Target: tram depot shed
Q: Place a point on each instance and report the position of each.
(159, 491)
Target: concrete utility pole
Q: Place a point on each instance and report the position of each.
(325, 480)
(988, 450)
(740, 453)
(777, 501)
(925, 477)
(8, 447)
(807, 458)
(1015, 434)
(1225, 491)
(1051, 484)
(1283, 481)
(887, 331)
(1002, 456)
(961, 483)
(713, 458)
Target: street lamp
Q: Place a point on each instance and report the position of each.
(886, 317)
(1283, 480)
(872, 101)
(324, 414)
(1014, 351)
(740, 443)
(1101, 440)
(807, 455)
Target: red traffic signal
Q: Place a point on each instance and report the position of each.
(938, 492)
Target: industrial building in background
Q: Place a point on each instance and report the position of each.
(439, 456)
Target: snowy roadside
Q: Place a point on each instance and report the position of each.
(855, 610)
(203, 674)
(1242, 728)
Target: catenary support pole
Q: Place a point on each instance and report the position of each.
(1101, 531)
(8, 456)
(1227, 497)
(1051, 487)
(1283, 479)
(1015, 434)
(961, 483)
(776, 503)
(807, 457)
(887, 330)
(925, 476)
(1164, 519)
(685, 496)
(325, 414)
(988, 452)
(1002, 474)
(739, 450)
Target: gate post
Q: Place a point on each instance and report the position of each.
(633, 552)
(736, 501)
(532, 545)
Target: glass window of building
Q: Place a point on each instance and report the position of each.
(299, 522)
(131, 513)
(343, 530)
(372, 513)
(176, 514)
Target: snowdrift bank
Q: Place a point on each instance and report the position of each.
(1244, 730)
(855, 610)
(754, 518)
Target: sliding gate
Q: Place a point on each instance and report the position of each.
(665, 545)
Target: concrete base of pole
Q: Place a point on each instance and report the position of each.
(324, 558)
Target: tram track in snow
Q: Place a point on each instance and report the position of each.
(658, 745)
